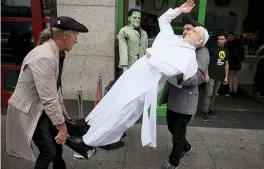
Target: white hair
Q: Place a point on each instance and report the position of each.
(206, 36)
(48, 33)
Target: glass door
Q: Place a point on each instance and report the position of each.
(22, 22)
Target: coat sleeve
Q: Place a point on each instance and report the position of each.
(43, 70)
(123, 48)
(203, 58)
(165, 22)
(146, 40)
(60, 95)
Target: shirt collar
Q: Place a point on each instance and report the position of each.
(131, 27)
(54, 46)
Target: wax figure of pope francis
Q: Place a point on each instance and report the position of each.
(121, 107)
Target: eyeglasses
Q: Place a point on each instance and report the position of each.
(189, 29)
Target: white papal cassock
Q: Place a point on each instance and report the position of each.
(137, 89)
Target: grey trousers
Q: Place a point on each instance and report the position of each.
(233, 80)
(211, 89)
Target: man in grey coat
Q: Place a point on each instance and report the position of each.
(36, 107)
(182, 98)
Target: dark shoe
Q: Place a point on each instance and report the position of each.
(71, 127)
(205, 116)
(124, 135)
(90, 153)
(211, 113)
(77, 145)
(228, 94)
(77, 128)
(235, 94)
(184, 152)
(169, 166)
(113, 146)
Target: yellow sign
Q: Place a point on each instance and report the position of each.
(222, 55)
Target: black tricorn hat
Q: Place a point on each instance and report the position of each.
(190, 20)
(68, 23)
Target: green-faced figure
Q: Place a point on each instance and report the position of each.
(133, 41)
(134, 19)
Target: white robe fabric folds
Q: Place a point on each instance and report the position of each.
(137, 89)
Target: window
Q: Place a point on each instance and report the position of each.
(22, 21)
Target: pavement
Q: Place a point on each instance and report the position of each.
(213, 148)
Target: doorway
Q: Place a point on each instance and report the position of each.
(226, 16)
(22, 22)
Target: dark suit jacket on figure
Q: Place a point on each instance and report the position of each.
(183, 98)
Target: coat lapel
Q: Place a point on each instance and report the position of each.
(55, 50)
(135, 32)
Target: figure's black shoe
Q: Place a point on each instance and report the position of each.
(71, 127)
(77, 145)
(77, 128)
(113, 146)
(124, 135)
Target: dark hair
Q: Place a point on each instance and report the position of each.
(130, 12)
(222, 34)
(231, 33)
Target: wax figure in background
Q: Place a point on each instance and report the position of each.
(132, 40)
(217, 74)
(122, 106)
(36, 105)
(182, 102)
(236, 56)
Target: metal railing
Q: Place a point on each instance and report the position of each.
(98, 96)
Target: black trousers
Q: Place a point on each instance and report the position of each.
(44, 139)
(177, 126)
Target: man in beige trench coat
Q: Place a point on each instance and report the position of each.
(36, 106)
